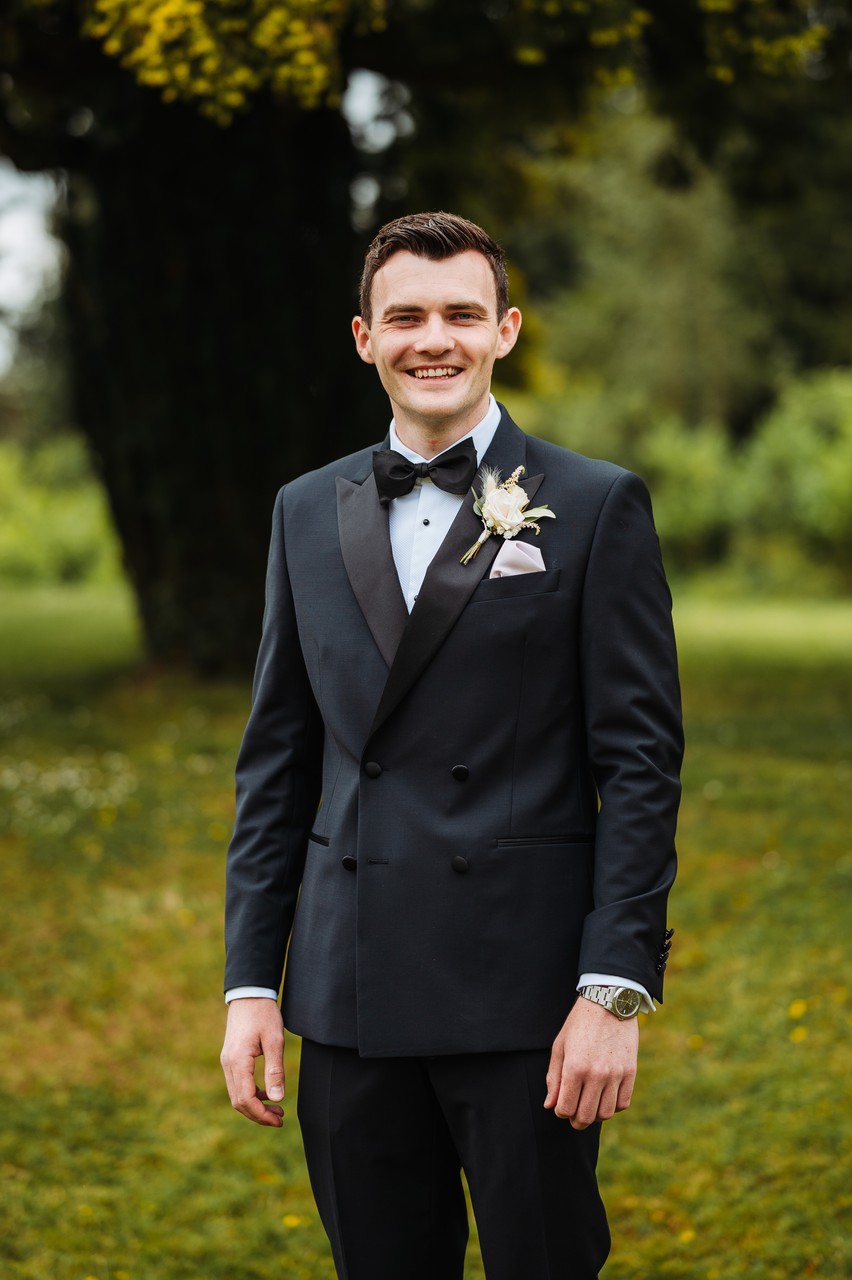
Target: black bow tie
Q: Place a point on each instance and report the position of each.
(452, 471)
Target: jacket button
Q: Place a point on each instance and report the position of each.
(349, 863)
(460, 865)
(669, 934)
(460, 772)
(372, 769)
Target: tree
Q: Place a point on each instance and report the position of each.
(212, 256)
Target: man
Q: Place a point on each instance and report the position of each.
(456, 803)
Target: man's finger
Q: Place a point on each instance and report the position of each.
(273, 1072)
(270, 1108)
(607, 1101)
(253, 1109)
(571, 1090)
(553, 1078)
(625, 1092)
(580, 1107)
(249, 1101)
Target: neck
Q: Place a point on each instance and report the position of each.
(430, 437)
(430, 443)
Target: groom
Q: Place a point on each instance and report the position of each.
(456, 802)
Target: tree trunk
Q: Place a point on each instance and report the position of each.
(212, 276)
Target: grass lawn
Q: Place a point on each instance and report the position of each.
(120, 1157)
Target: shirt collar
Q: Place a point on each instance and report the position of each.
(481, 435)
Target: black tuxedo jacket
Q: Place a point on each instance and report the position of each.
(450, 815)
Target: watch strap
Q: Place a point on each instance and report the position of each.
(606, 997)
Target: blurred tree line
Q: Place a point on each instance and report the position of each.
(667, 181)
(699, 343)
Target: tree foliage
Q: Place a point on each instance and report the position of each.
(800, 467)
(648, 317)
(207, 216)
(220, 54)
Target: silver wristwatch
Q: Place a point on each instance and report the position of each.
(624, 1002)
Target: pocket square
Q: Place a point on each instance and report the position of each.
(516, 557)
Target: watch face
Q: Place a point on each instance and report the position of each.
(626, 1002)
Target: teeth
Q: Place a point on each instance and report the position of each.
(436, 373)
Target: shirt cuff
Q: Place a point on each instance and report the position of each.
(242, 993)
(607, 980)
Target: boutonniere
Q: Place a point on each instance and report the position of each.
(502, 508)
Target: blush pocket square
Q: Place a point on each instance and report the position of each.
(516, 557)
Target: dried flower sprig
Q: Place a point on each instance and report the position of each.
(502, 508)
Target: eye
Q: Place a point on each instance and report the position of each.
(465, 316)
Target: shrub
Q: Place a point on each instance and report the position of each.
(795, 484)
(689, 473)
(54, 523)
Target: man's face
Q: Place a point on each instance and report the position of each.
(434, 339)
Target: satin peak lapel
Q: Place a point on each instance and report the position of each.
(449, 584)
(365, 545)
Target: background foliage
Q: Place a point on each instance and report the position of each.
(647, 341)
(217, 190)
(55, 525)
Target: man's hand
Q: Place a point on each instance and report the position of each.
(254, 1030)
(592, 1066)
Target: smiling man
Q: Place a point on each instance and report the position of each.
(456, 802)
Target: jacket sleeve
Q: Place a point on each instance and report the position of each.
(634, 738)
(278, 779)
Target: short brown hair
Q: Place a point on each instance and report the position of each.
(435, 236)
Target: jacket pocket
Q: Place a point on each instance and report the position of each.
(518, 842)
(324, 840)
(519, 584)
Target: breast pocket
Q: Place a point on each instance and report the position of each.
(516, 587)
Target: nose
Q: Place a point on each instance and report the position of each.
(435, 336)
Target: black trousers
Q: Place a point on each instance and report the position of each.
(385, 1140)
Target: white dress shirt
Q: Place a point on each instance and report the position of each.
(418, 523)
(420, 520)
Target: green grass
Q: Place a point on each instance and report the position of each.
(120, 1158)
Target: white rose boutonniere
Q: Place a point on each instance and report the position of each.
(502, 508)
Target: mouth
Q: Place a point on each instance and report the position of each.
(441, 371)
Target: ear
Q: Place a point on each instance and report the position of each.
(507, 332)
(362, 340)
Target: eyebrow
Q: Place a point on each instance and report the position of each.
(403, 308)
